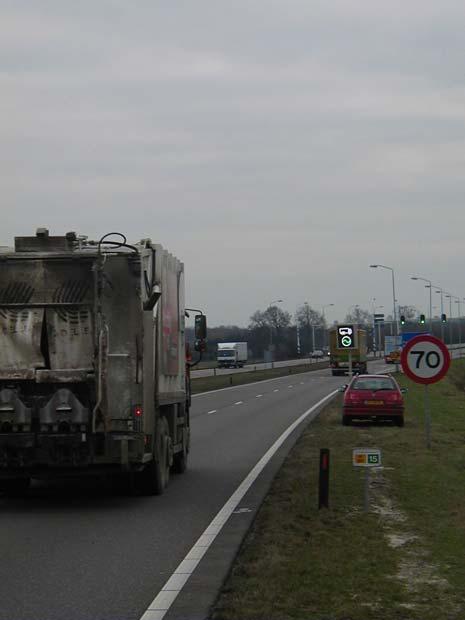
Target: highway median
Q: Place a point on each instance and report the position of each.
(206, 384)
(401, 559)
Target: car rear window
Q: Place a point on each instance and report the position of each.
(373, 383)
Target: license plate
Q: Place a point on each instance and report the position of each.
(374, 402)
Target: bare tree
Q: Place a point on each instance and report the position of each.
(360, 317)
(410, 312)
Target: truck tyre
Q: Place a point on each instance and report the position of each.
(180, 458)
(15, 487)
(153, 479)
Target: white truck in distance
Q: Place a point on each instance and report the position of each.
(232, 354)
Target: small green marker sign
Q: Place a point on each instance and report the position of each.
(366, 457)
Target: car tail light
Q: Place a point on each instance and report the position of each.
(352, 397)
(138, 411)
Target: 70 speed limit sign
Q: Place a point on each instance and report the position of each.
(425, 359)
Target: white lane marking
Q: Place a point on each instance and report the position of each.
(258, 395)
(302, 383)
(318, 372)
(212, 411)
(167, 595)
(245, 385)
(276, 390)
(239, 402)
(290, 386)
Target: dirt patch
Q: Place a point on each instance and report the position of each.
(417, 574)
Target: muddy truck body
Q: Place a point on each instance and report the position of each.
(93, 376)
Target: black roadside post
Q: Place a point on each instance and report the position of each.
(323, 494)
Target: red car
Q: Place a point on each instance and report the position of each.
(373, 397)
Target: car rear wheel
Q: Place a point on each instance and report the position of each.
(400, 421)
(346, 420)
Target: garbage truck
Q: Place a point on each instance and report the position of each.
(94, 377)
(339, 358)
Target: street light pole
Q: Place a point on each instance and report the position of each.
(449, 296)
(442, 309)
(396, 326)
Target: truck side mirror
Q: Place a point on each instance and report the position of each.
(200, 327)
(200, 346)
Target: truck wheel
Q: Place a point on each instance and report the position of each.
(180, 458)
(15, 487)
(153, 479)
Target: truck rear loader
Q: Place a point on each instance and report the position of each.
(93, 375)
(339, 358)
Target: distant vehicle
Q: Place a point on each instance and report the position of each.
(374, 397)
(339, 358)
(392, 349)
(232, 354)
(317, 353)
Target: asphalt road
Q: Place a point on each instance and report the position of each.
(210, 372)
(82, 551)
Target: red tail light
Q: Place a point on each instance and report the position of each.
(138, 411)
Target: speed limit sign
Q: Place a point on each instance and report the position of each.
(425, 359)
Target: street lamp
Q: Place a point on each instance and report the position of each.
(393, 294)
(430, 300)
(441, 291)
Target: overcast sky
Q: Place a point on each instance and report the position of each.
(277, 148)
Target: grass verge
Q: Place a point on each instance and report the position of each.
(206, 384)
(402, 560)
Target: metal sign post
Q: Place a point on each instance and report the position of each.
(425, 359)
(366, 457)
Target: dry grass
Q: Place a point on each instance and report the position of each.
(403, 560)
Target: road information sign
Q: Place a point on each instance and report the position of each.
(366, 457)
(425, 359)
(346, 337)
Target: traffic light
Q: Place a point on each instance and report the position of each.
(402, 319)
(443, 318)
(422, 319)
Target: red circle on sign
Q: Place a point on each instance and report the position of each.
(431, 340)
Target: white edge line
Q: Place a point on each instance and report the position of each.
(172, 588)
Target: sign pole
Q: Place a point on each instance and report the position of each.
(350, 365)
(366, 503)
(427, 417)
(367, 458)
